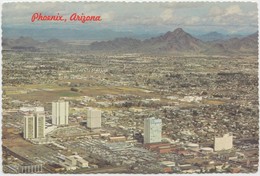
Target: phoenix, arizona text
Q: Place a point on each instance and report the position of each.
(59, 18)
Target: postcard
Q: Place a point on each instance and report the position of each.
(130, 87)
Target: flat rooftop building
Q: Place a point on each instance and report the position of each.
(60, 113)
(152, 130)
(93, 118)
(34, 126)
(224, 142)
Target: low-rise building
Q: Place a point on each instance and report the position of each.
(223, 143)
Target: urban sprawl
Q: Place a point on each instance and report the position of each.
(129, 113)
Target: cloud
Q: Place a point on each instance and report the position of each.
(233, 10)
(167, 15)
(215, 11)
(108, 16)
(231, 15)
(182, 5)
(193, 20)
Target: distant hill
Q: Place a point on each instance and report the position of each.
(172, 42)
(248, 44)
(20, 42)
(216, 36)
(28, 43)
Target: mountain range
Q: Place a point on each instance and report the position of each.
(180, 42)
(68, 34)
(28, 43)
(175, 42)
(216, 36)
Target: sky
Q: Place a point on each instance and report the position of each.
(196, 17)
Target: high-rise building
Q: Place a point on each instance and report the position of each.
(40, 125)
(223, 142)
(29, 127)
(60, 113)
(93, 118)
(34, 126)
(152, 130)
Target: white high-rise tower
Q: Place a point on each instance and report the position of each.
(93, 118)
(152, 130)
(60, 113)
(34, 126)
(29, 127)
(40, 125)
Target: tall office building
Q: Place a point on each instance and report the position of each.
(60, 113)
(40, 125)
(29, 126)
(152, 130)
(93, 118)
(34, 126)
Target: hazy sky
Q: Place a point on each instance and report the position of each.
(230, 17)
